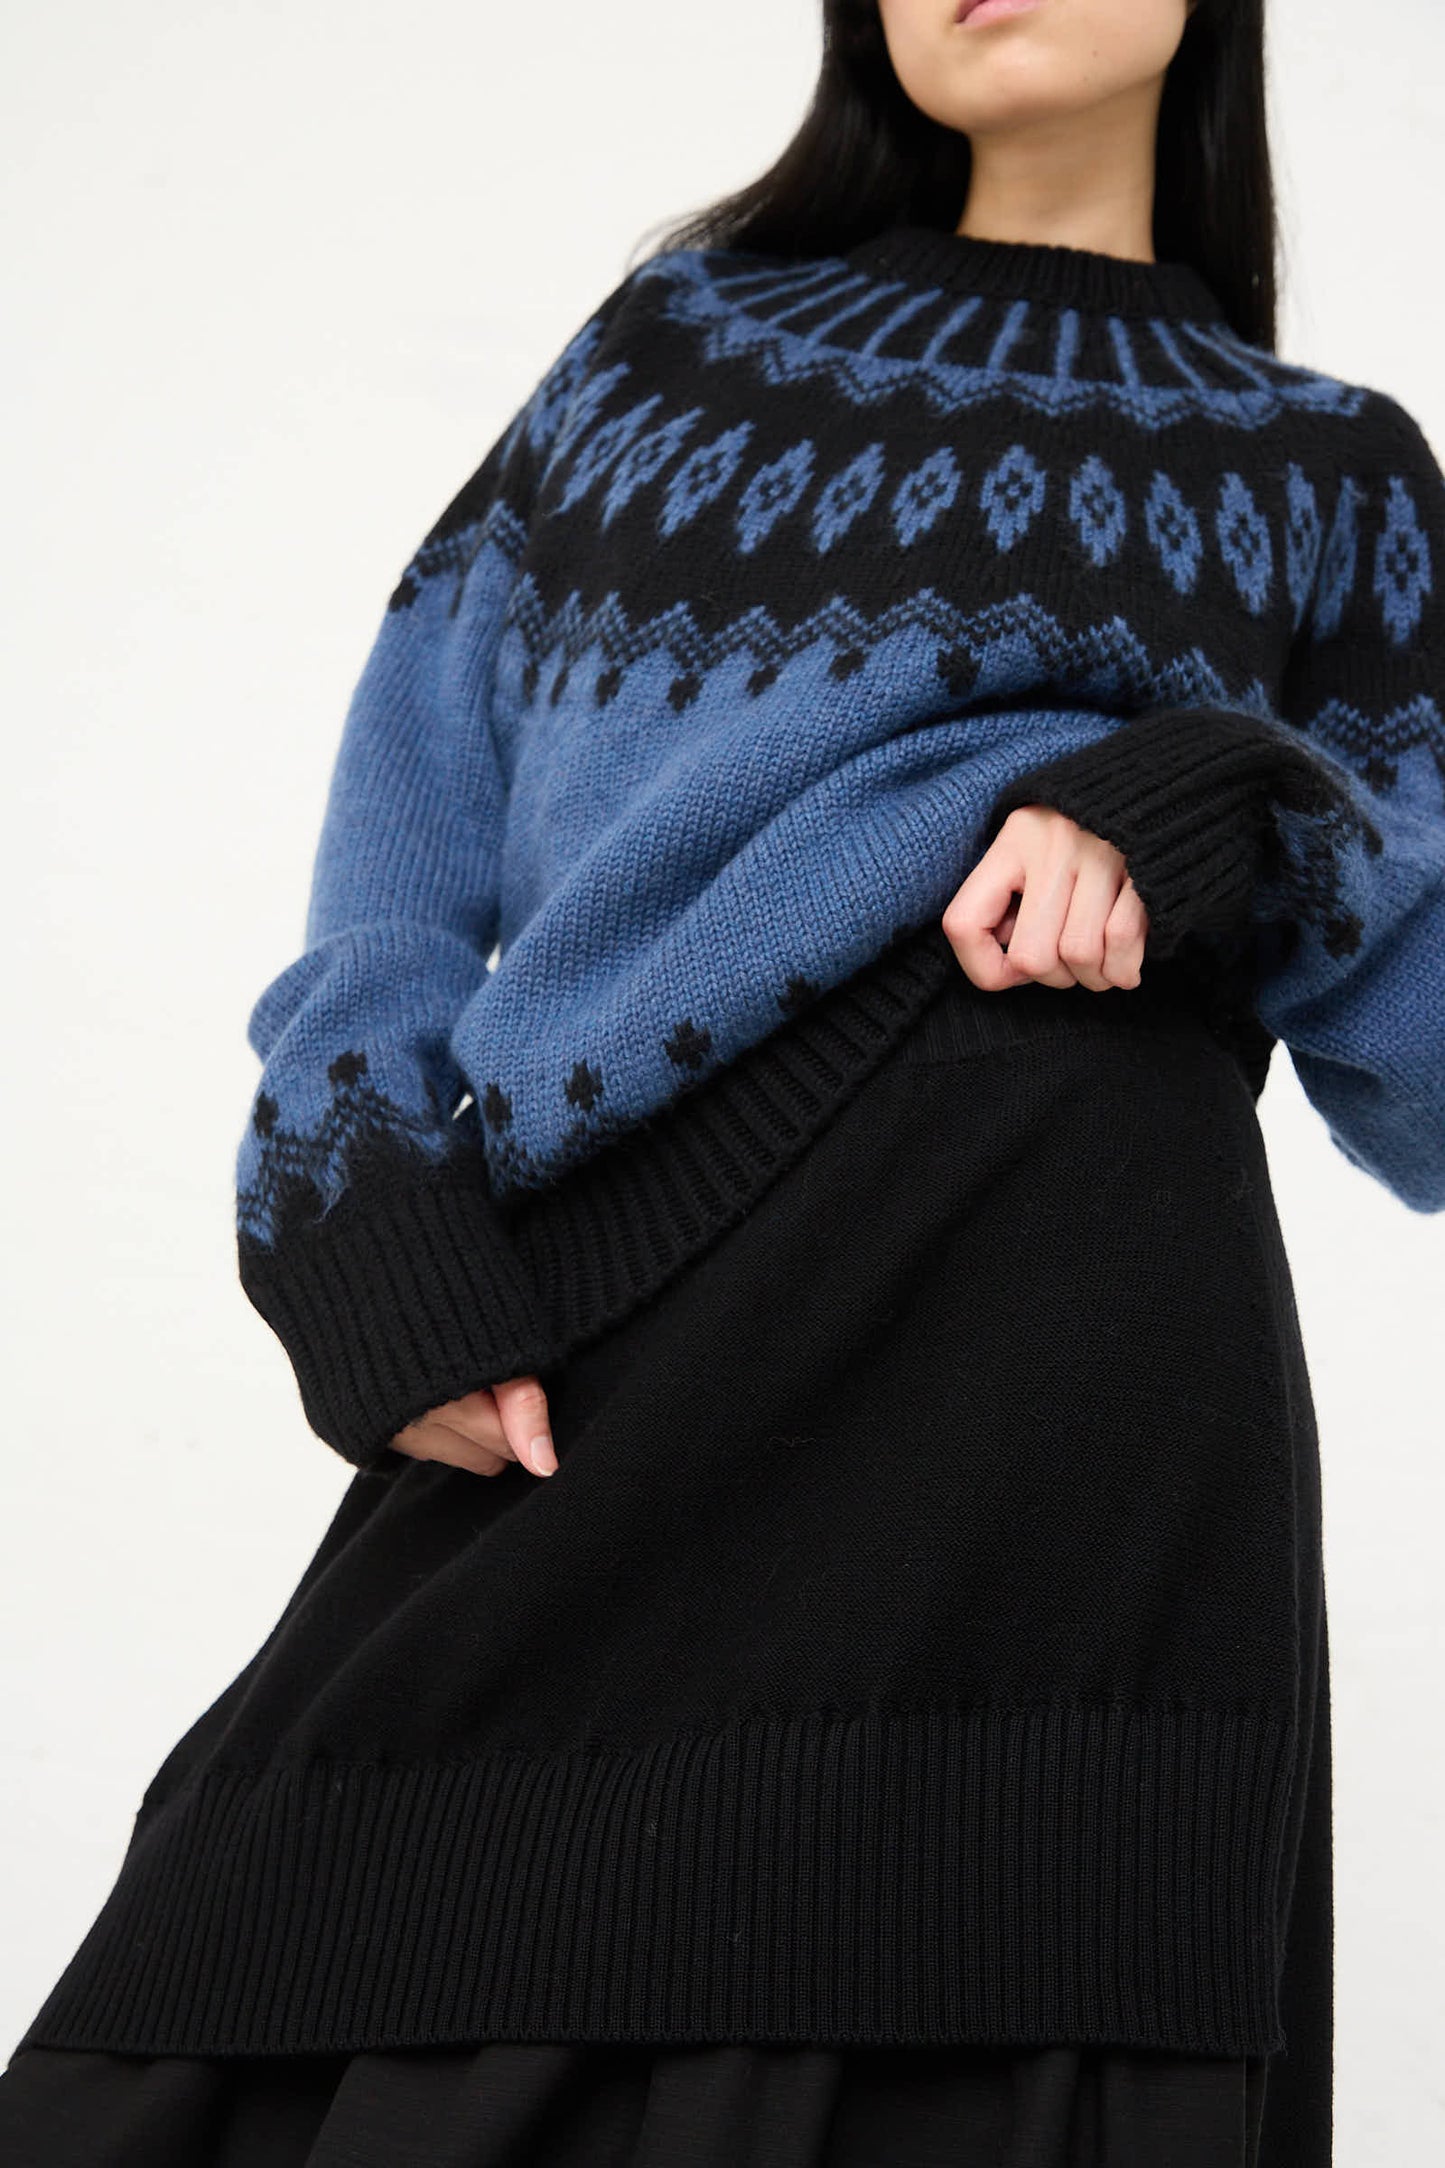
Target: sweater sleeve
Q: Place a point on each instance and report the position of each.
(1352, 902)
(366, 1233)
(1317, 834)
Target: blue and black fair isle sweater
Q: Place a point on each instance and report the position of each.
(710, 686)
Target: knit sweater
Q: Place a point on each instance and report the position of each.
(713, 681)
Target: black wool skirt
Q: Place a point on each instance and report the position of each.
(1127, 1112)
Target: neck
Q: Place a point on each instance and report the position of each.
(1080, 180)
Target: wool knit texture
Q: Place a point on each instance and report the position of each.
(786, 582)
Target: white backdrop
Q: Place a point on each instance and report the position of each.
(281, 273)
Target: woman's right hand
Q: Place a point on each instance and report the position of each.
(486, 1430)
(1050, 904)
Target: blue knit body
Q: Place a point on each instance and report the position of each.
(702, 688)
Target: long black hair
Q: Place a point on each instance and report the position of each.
(866, 156)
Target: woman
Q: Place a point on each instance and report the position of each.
(877, 1708)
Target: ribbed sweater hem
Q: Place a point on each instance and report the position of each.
(1024, 1874)
(605, 1237)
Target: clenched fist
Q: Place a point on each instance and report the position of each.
(1048, 901)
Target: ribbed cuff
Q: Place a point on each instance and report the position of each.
(407, 1293)
(1186, 795)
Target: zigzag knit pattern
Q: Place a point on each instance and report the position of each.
(788, 577)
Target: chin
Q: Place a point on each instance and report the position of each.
(1003, 82)
(1014, 91)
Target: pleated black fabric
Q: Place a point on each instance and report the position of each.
(507, 2105)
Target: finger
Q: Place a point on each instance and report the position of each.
(522, 1405)
(1125, 932)
(1051, 854)
(980, 915)
(1097, 880)
(477, 1416)
(427, 1439)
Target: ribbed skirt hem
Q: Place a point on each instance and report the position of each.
(1054, 1872)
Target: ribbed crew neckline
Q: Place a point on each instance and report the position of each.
(1085, 278)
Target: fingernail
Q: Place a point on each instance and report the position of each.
(544, 1459)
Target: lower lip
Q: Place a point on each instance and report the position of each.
(995, 11)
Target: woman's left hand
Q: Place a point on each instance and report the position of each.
(1058, 899)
